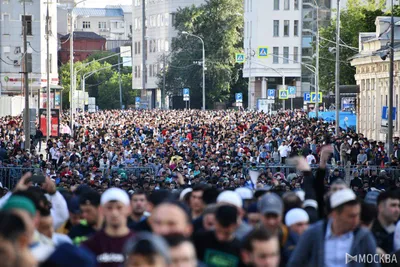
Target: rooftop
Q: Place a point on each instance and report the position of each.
(99, 12)
(84, 35)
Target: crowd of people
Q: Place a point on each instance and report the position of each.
(198, 188)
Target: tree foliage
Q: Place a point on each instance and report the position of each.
(103, 75)
(220, 24)
(359, 16)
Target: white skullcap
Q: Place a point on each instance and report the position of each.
(115, 194)
(341, 197)
(230, 197)
(244, 193)
(185, 192)
(296, 215)
(301, 194)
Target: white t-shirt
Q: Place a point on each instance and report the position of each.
(311, 158)
(284, 150)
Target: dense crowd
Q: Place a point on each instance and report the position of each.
(198, 188)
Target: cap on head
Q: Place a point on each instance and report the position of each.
(230, 197)
(341, 197)
(296, 215)
(270, 203)
(114, 194)
(21, 203)
(245, 193)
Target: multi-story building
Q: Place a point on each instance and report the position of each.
(159, 31)
(372, 76)
(272, 43)
(12, 46)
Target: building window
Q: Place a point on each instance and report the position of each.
(276, 28)
(286, 55)
(286, 28)
(86, 24)
(296, 28)
(102, 24)
(287, 5)
(276, 55)
(166, 45)
(276, 4)
(295, 54)
(173, 19)
(296, 4)
(28, 20)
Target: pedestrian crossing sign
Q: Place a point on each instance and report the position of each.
(240, 58)
(313, 97)
(283, 94)
(263, 51)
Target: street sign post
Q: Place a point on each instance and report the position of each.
(186, 94)
(240, 58)
(239, 97)
(283, 94)
(137, 102)
(385, 121)
(307, 97)
(262, 52)
(313, 98)
(271, 94)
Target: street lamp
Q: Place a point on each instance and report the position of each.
(204, 66)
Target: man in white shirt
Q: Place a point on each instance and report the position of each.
(311, 159)
(284, 151)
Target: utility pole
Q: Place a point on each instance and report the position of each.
(72, 77)
(163, 88)
(48, 131)
(144, 53)
(250, 91)
(391, 87)
(337, 76)
(284, 87)
(119, 81)
(26, 89)
(317, 63)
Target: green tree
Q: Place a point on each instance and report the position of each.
(359, 16)
(109, 92)
(220, 24)
(104, 72)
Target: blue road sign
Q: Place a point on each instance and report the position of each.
(292, 90)
(263, 52)
(385, 113)
(137, 99)
(271, 93)
(185, 91)
(239, 97)
(307, 97)
(313, 98)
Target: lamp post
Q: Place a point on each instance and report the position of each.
(391, 87)
(204, 66)
(337, 76)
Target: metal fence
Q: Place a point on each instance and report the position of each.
(9, 176)
(346, 172)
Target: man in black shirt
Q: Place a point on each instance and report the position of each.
(89, 203)
(220, 248)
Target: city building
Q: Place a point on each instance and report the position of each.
(12, 45)
(159, 31)
(372, 76)
(85, 44)
(272, 43)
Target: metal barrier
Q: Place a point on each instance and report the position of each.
(345, 171)
(9, 176)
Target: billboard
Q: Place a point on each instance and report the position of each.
(347, 120)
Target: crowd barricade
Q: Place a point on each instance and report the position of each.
(345, 171)
(9, 176)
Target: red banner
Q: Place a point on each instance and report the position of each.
(54, 122)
